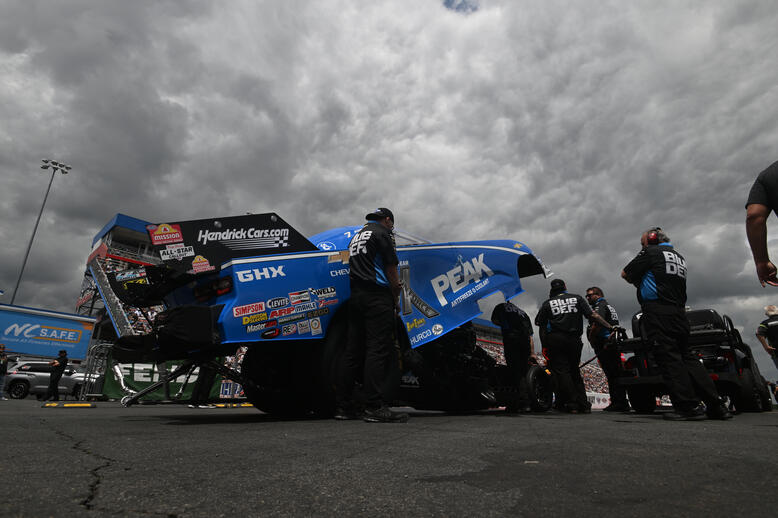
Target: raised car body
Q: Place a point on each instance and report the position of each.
(289, 308)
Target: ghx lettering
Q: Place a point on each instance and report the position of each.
(258, 274)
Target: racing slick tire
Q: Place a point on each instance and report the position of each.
(764, 394)
(282, 376)
(748, 399)
(18, 390)
(541, 389)
(641, 399)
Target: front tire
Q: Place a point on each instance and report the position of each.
(541, 389)
(18, 390)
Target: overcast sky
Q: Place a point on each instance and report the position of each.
(569, 126)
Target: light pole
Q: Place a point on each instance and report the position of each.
(54, 166)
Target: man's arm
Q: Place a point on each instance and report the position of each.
(756, 230)
(770, 350)
(597, 318)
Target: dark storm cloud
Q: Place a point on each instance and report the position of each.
(569, 127)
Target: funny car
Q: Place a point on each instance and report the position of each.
(255, 282)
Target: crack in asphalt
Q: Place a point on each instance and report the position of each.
(97, 478)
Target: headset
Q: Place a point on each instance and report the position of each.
(652, 236)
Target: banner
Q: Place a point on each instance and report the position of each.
(203, 245)
(39, 332)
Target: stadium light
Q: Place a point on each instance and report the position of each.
(54, 166)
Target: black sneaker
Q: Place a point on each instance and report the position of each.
(345, 414)
(384, 415)
(720, 412)
(617, 407)
(695, 414)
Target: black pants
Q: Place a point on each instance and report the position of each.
(610, 359)
(201, 392)
(685, 377)
(53, 392)
(517, 351)
(371, 346)
(564, 355)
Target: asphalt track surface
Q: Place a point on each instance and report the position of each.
(170, 460)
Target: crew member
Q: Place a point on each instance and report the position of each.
(57, 368)
(762, 199)
(560, 321)
(767, 332)
(607, 354)
(375, 288)
(518, 345)
(659, 273)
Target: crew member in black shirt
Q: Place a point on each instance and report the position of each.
(767, 333)
(659, 273)
(607, 355)
(762, 199)
(518, 345)
(560, 321)
(58, 367)
(375, 288)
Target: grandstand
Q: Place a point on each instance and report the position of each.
(121, 244)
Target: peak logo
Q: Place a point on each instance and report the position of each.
(258, 274)
(165, 233)
(460, 276)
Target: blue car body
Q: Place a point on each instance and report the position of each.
(288, 309)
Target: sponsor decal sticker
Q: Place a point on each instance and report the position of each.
(298, 297)
(330, 302)
(277, 302)
(325, 293)
(315, 326)
(326, 246)
(415, 324)
(421, 336)
(260, 317)
(302, 308)
(253, 328)
(246, 238)
(318, 312)
(437, 329)
(340, 272)
(270, 333)
(200, 264)
(290, 318)
(165, 233)
(259, 274)
(289, 329)
(304, 326)
(460, 276)
(178, 252)
(410, 299)
(131, 274)
(281, 312)
(248, 309)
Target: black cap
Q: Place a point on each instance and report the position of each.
(558, 284)
(380, 213)
(63, 351)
